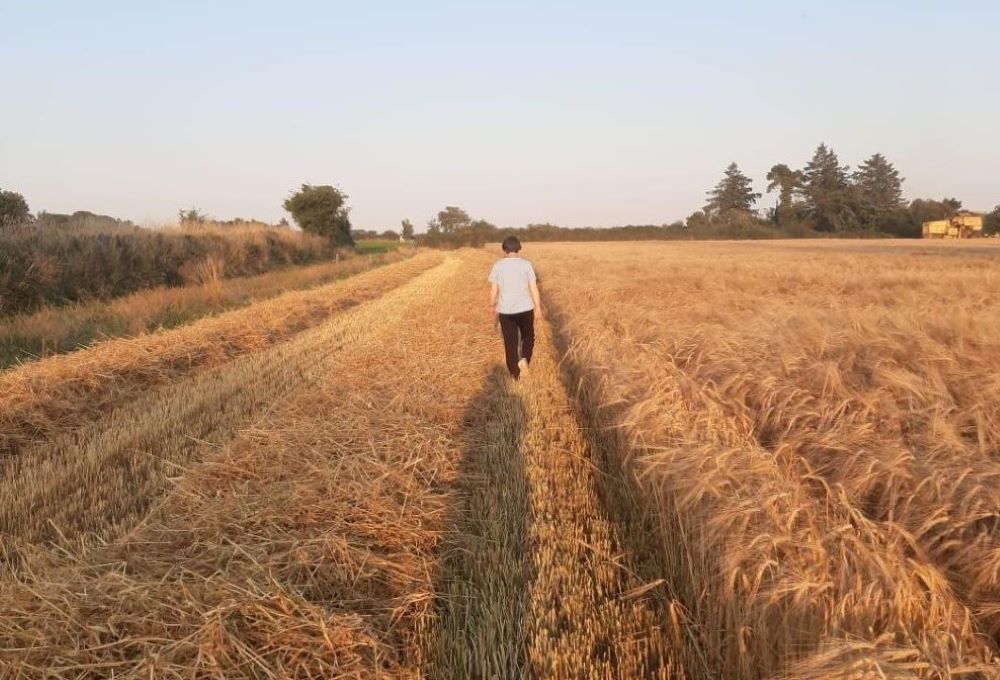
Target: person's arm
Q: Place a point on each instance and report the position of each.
(537, 299)
(494, 294)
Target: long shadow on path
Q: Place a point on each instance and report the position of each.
(484, 581)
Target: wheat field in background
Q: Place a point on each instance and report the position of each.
(729, 460)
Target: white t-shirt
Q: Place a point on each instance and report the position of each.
(513, 275)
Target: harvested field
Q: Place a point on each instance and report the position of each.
(728, 461)
(45, 398)
(96, 483)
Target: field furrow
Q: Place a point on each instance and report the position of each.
(482, 587)
(41, 400)
(589, 614)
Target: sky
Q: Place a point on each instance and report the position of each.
(575, 113)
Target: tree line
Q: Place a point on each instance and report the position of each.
(823, 198)
(827, 197)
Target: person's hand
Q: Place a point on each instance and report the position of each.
(493, 312)
(539, 314)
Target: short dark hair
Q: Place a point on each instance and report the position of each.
(511, 245)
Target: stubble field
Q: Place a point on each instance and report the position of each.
(730, 460)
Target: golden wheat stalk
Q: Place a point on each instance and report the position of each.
(689, 360)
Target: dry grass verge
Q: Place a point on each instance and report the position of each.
(41, 400)
(57, 330)
(794, 419)
(50, 263)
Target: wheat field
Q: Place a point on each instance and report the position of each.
(729, 460)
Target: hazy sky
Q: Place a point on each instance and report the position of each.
(577, 113)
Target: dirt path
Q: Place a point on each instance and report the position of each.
(540, 584)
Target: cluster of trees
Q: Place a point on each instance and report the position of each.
(826, 197)
(551, 232)
(386, 235)
(453, 228)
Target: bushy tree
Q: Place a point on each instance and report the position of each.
(322, 210)
(908, 221)
(407, 229)
(480, 232)
(453, 228)
(697, 220)
(926, 210)
(13, 209)
(452, 219)
(789, 184)
(733, 193)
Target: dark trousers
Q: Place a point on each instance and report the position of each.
(512, 326)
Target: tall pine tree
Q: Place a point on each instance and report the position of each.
(827, 192)
(734, 192)
(879, 190)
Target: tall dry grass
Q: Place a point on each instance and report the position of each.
(56, 330)
(41, 400)
(49, 264)
(813, 426)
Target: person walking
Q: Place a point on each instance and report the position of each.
(515, 302)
